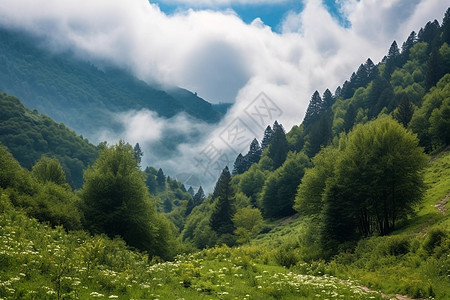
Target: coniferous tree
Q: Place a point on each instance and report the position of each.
(349, 118)
(392, 60)
(199, 197)
(267, 138)
(314, 109)
(240, 165)
(338, 92)
(253, 155)
(362, 76)
(191, 191)
(405, 111)
(138, 153)
(446, 27)
(327, 99)
(428, 34)
(407, 45)
(434, 68)
(161, 180)
(372, 70)
(222, 216)
(279, 146)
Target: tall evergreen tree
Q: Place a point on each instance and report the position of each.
(372, 70)
(327, 99)
(254, 154)
(222, 216)
(434, 68)
(161, 180)
(392, 60)
(446, 27)
(138, 153)
(191, 191)
(314, 109)
(362, 76)
(338, 92)
(407, 45)
(199, 197)
(404, 112)
(240, 165)
(349, 118)
(267, 138)
(279, 146)
(429, 34)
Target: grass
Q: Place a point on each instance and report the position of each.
(40, 262)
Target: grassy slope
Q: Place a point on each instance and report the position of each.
(38, 262)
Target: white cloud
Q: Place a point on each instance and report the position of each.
(219, 56)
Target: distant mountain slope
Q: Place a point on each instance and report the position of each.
(79, 94)
(29, 135)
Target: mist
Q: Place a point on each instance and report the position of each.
(214, 53)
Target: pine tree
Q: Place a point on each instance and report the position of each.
(434, 68)
(314, 109)
(138, 153)
(392, 60)
(253, 155)
(405, 111)
(338, 92)
(222, 216)
(240, 165)
(279, 146)
(199, 197)
(267, 138)
(191, 191)
(372, 70)
(327, 99)
(349, 118)
(362, 76)
(446, 27)
(407, 45)
(161, 180)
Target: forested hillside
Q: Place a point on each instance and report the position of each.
(78, 93)
(352, 203)
(29, 135)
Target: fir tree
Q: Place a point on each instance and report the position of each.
(405, 111)
(138, 153)
(222, 216)
(253, 155)
(446, 27)
(267, 138)
(279, 146)
(240, 165)
(191, 191)
(314, 109)
(392, 60)
(327, 99)
(161, 180)
(199, 197)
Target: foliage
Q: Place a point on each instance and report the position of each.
(116, 202)
(277, 196)
(29, 135)
(49, 170)
(248, 223)
(224, 205)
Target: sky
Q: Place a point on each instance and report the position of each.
(265, 57)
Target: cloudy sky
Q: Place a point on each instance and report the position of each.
(226, 51)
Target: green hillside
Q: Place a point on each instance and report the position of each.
(79, 94)
(29, 135)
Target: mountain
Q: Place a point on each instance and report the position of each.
(81, 95)
(28, 135)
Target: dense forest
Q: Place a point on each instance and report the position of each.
(351, 203)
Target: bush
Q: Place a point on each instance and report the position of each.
(434, 239)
